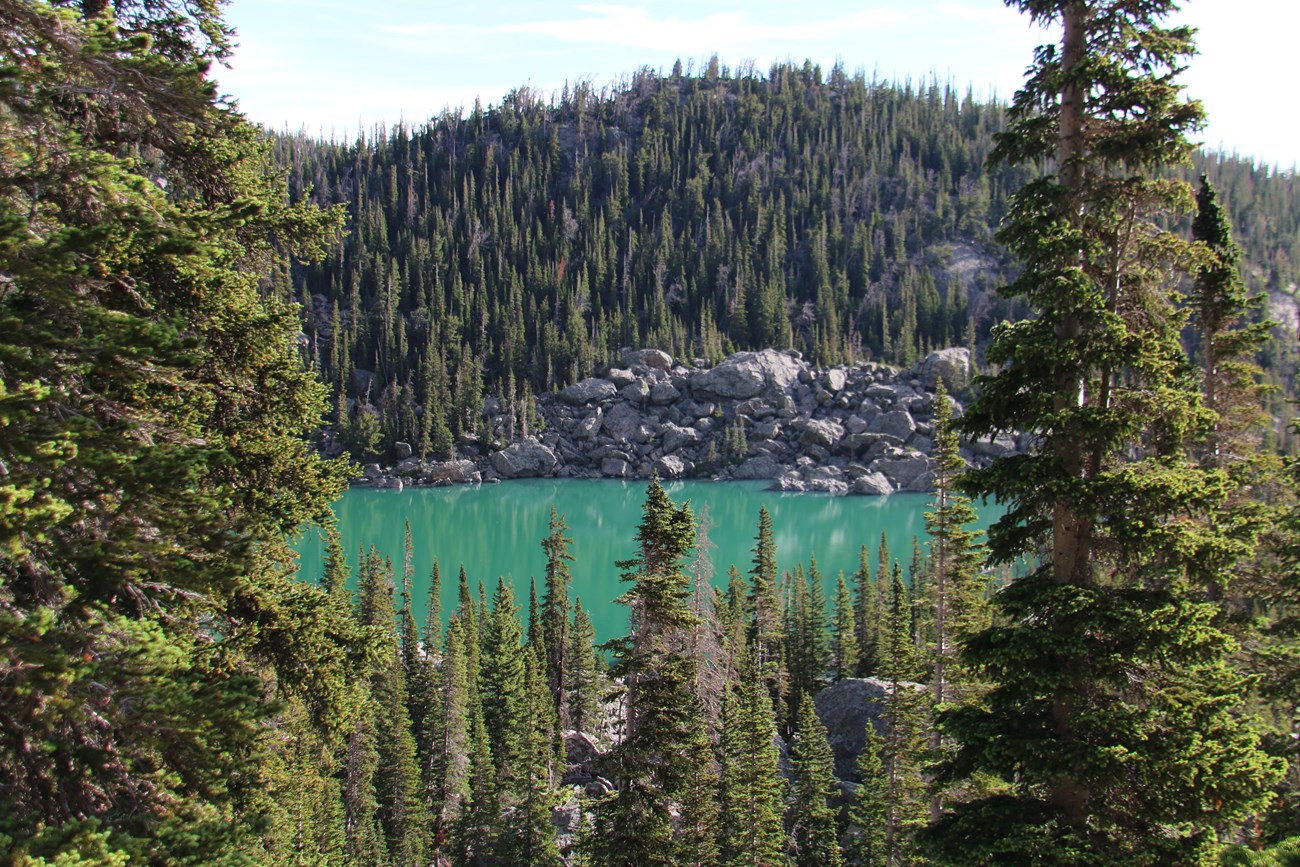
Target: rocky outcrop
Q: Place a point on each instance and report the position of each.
(862, 429)
(523, 460)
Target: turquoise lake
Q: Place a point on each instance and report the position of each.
(497, 530)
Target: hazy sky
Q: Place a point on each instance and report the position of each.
(333, 66)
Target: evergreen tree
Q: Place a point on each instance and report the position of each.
(584, 704)
(447, 766)
(869, 809)
(1105, 766)
(844, 632)
(814, 835)
(906, 723)
(528, 791)
(765, 632)
(397, 777)
(555, 612)
(752, 792)
(156, 416)
(501, 677)
(659, 763)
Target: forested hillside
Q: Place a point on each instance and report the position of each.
(519, 247)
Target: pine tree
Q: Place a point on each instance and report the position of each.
(869, 809)
(501, 677)
(447, 767)
(765, 632)
(528, 790)
(752, 792)
(397, 777)
(555, 612)
(584, 705)
(659, 763)
(814, 835)
(844, 632)
(1106, 766)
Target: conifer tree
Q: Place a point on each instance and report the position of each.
(955, 554)
(1106, 766)
(397, 777)
(528, 791)
(659, 763)
(814, 833)
(866, 612)
(905, 726)
(584, 694)
(869, 809)
(765, 622)
(555, 612)
(752, 792)
(448, 723)
(844, 632)
(501, 677)
(433, 609)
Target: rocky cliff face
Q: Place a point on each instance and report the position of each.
(864, 429)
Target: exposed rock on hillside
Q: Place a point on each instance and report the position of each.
(864, 429)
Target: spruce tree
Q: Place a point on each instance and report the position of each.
(584, 695)
(446, 769)
(555, 612)
(869, 809)
(659, 764)
(814, 833)
(1106, 765)
(765, 632)
(528, 790)
(752, 791)
(501, 675)
(844, 632)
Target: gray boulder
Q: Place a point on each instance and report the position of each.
(822, 432)
(525, 459)
(620, 376)
(952, 365)
(588, 391)
(901, 471)
(748, 374)
(615, 468)
(672, 467)
(873, 484)
(453, 472)
(761, 467)
(835, 380)
(1000, 446)
(653, 358)
(846, 708)
(675, 436)
(663, 393)
(402, 450)
(896, 423)
(636, 392)
(622, 422)
(589, 426)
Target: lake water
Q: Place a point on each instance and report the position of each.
(497, 530)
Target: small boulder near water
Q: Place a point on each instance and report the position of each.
(524, 459)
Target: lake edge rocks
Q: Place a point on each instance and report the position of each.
(851, 429)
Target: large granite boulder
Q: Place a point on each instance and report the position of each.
(761, 467)
(901, 471)
(676, 436)
(525, 459)
(895, 423)
(822, 432)
(872, 485)
(622, 422)
(455, 472)
(846, 708)
(656, 359)
(748, 374)
(588, 391)
(952, 365)
(672, 467)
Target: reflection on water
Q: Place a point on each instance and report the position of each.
(497, 530)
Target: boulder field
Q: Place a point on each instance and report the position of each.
(860, 429)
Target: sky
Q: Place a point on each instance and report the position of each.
(334, 67)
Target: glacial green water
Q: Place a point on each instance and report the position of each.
(497, 530)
